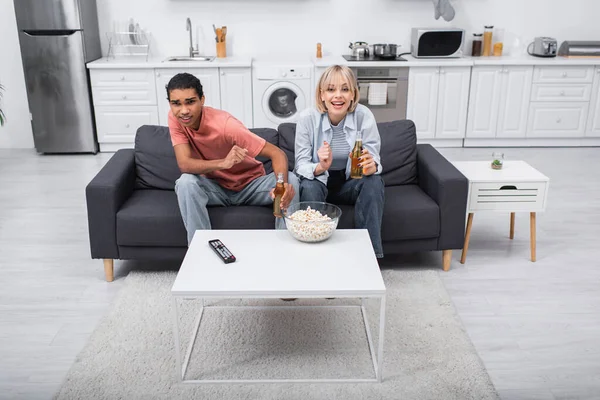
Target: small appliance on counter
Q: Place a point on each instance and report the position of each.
(543, 47)
(579, 48)
(437, 42)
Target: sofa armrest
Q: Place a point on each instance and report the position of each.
(105, 195)
(448, 187)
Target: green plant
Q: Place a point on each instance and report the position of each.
(2, 116)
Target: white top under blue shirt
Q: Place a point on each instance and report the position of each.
(312, 128)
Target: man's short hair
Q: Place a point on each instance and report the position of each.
(184, 81)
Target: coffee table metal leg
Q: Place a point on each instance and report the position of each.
(176, 337)
(463, 257)
(379, 374)
(532, 228)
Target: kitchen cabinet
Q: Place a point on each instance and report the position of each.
(123, 100)
(209, 78)
(236, 93)
(438, 101)
(593, 123)
(499, 101)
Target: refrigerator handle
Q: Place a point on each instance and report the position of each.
(56, 32)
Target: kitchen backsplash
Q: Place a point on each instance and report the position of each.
(271, 27)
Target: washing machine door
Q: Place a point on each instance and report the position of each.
(282, 101)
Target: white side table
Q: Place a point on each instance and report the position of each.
(516, 187)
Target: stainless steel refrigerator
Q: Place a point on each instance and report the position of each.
(58, 38)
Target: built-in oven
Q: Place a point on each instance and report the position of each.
(384, 90)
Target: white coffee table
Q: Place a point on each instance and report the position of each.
(272, 264)
(516, 187)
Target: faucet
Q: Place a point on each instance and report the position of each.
(188, 27)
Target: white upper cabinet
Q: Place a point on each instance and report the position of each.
(593, 123)
(236, 93)
(209, 78)
(438, 101)
(499, 101)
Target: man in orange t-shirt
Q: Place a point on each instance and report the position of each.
(217, 154)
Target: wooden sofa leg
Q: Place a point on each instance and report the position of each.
(109, 269)
(446, 258)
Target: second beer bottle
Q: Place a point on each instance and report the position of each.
(356, 172)
(279, 191)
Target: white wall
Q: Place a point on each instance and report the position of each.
(271, 27)
(266, 27)
(16, 132)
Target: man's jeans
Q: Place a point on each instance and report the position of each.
(367, 195)
(196, 192)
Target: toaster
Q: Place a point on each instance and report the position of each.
(543, 47)
(436, 42)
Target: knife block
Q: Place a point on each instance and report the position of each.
(221, 49)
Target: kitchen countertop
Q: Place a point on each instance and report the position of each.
(458, 62)
(119, 63)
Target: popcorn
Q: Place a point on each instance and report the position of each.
(302, 226)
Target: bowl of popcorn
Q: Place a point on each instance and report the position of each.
(312, 221)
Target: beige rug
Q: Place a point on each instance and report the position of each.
(428, 355)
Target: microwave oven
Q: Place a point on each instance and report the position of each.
(436, 42)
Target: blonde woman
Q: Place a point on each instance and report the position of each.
(324, 138)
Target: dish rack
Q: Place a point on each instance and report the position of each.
(128, 44)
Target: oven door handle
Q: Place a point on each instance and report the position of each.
(367, 81)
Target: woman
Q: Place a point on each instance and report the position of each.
(324, 139)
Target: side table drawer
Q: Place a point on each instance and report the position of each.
(506, 196)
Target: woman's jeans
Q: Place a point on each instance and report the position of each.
(366, 194)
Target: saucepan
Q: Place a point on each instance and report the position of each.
(385, 50)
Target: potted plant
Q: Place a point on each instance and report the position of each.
(2, 116)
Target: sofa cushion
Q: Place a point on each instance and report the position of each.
(398, 152)
(271, 136)
(151, 218)
(409, 213)
(287, 142)
(155, 162)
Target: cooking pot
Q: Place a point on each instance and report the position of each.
(359, 49)
(385, 50)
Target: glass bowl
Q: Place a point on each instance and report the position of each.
(315, 230)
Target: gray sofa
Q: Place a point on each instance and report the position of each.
(133, 211)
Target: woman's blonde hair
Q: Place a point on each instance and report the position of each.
(330, 74)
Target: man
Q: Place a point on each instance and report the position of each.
(217, 154)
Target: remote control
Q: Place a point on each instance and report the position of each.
(222, 251)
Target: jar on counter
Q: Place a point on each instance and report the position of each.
(477, 44)
(497, 160)
(498, 42)
(487, 41)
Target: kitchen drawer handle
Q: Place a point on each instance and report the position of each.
(558, 120)
(508, 187)
(122, 78)
(124, 97)
(127, 126)
(564, 74)
(562, 92)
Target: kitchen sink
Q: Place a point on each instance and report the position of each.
(188, 58)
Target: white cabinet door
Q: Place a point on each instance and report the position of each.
(557, 120)
(515, 92)
(209, 78)
(421, 108)
(453, 100)
(593, 124)
(317, 75)
(117, 124)
(483, 102)
(236, 93)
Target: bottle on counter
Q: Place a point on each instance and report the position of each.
(498, 42)
(477, 44)
(487, 41)
(279, 192)
(319, 52)
(356, 172)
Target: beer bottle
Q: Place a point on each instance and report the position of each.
(279, 191)
(356, 172)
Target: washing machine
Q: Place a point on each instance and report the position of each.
(280, 92)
